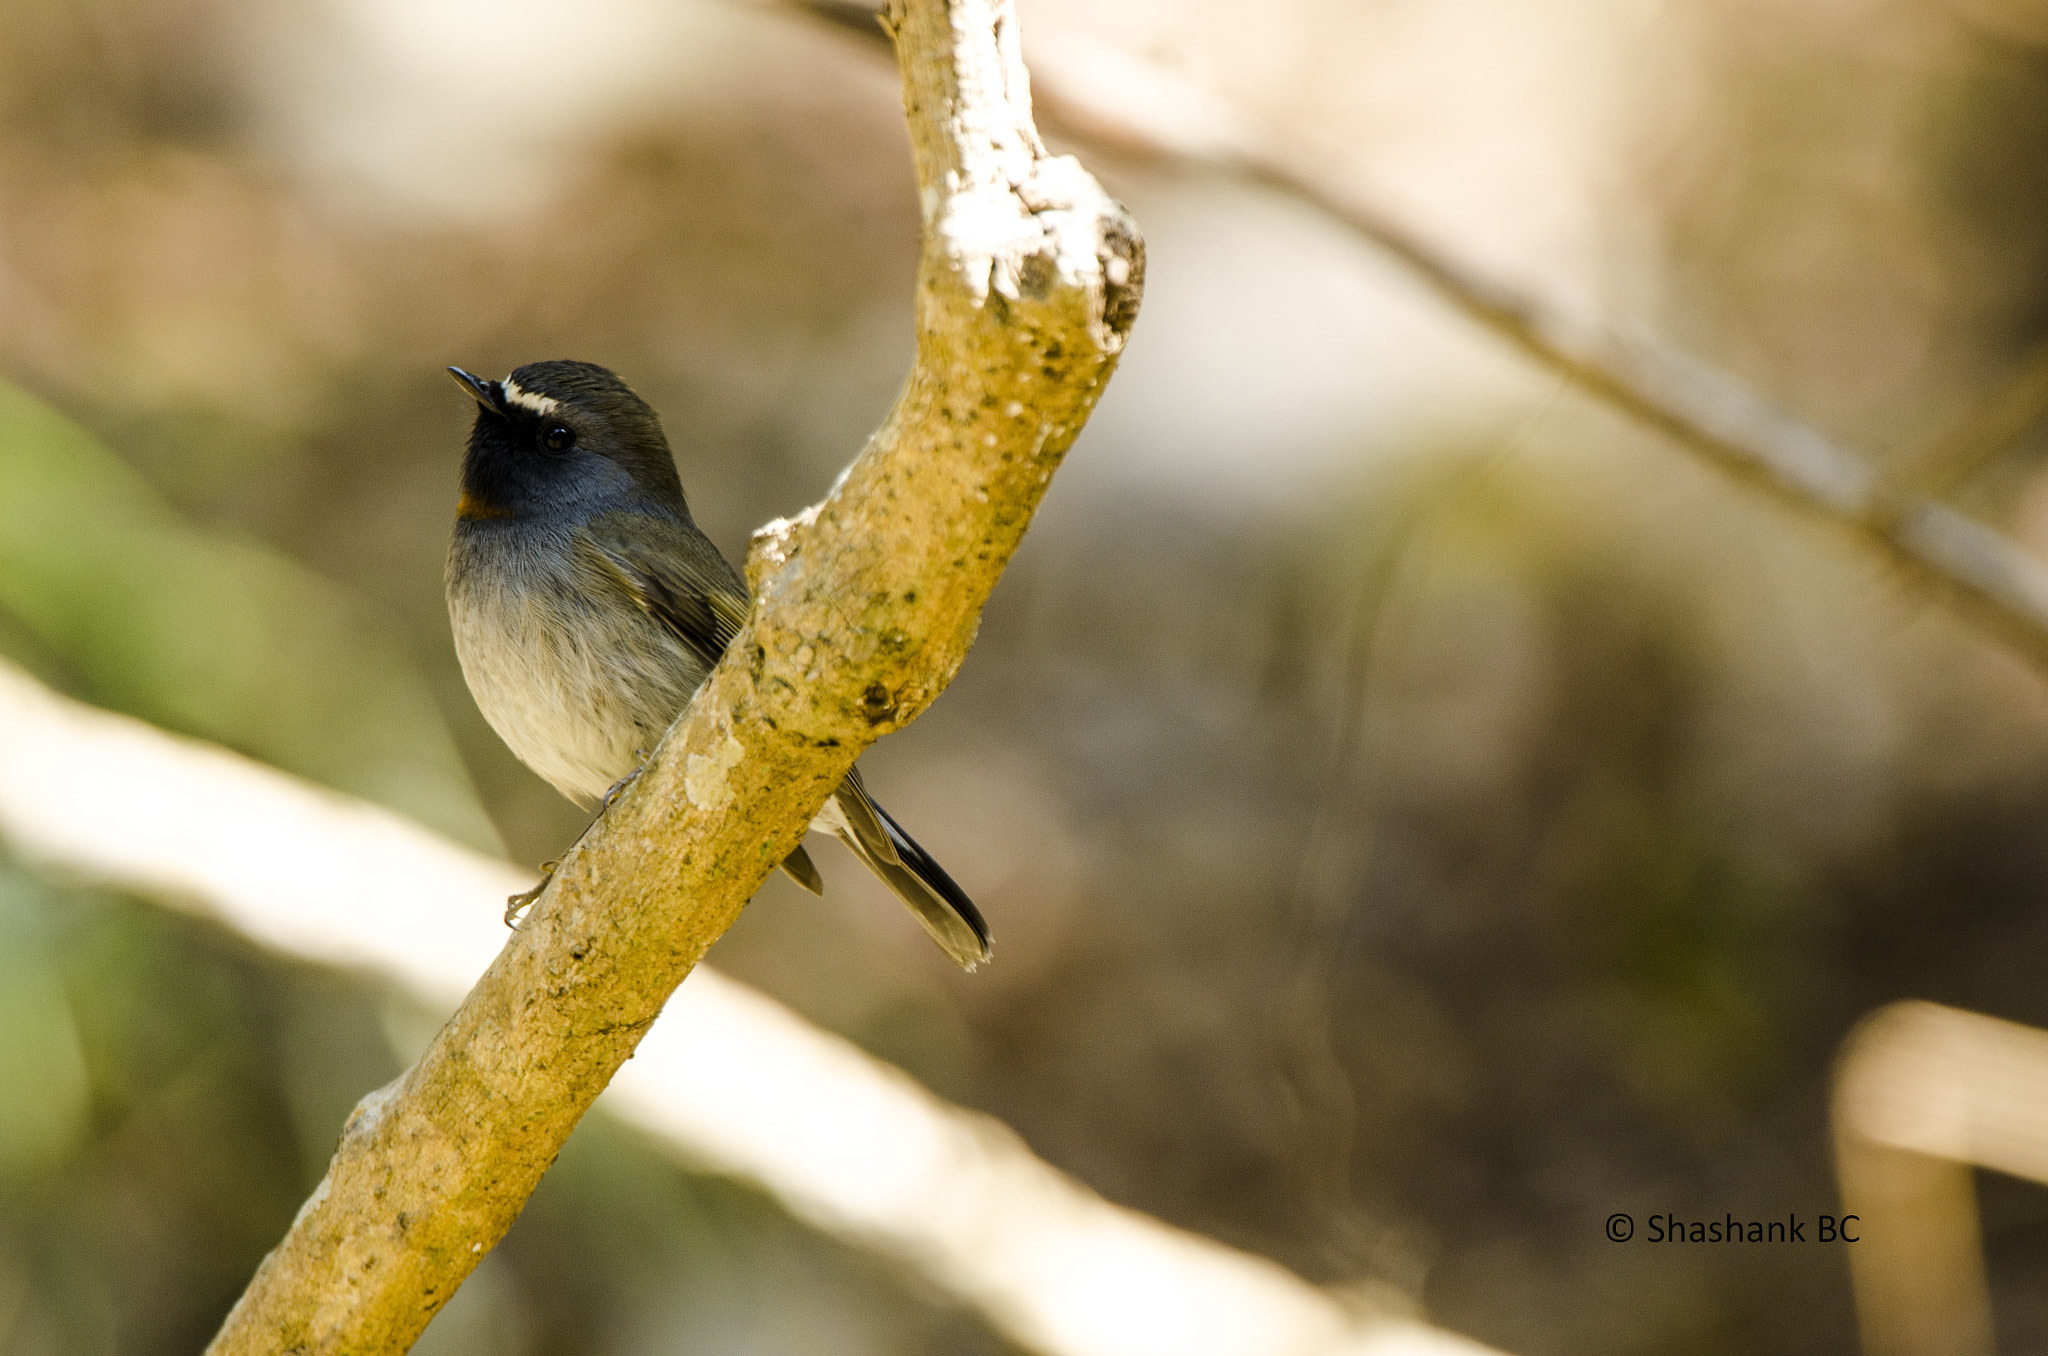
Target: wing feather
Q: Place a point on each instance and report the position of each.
(675, 575)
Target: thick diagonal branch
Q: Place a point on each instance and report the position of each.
(865, 607)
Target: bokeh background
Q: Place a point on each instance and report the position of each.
(1420, 812)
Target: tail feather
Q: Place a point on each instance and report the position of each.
(908, 870)
(799, 868)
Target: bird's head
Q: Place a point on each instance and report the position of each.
(562, 435)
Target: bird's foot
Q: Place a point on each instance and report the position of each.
(517, 904)
(621, 784)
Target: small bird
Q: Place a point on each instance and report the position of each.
(588, 607)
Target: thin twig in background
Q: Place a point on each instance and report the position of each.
(1099, 95)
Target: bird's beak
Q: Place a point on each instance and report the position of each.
(488, 394)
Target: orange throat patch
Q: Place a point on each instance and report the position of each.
(473, 507)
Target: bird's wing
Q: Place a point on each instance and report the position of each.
(678, 578)
(675, 575)
(651, 562)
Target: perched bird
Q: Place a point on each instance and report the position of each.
(588, 607)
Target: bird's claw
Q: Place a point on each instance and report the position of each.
(620, 785)
(517, 904)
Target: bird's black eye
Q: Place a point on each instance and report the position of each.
(558, 438)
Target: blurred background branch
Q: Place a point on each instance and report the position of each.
(1109, 98)
(1924, 1094)
(729, 1080)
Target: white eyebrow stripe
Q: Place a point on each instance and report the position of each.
(527, 400)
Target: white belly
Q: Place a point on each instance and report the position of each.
(577, 687)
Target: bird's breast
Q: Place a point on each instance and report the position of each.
(573, 676)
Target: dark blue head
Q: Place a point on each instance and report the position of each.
(563, 435)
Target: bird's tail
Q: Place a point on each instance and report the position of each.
(908, 870)
(799, 868)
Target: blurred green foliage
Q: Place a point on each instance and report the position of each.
(130, 606)
(42, 1050)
